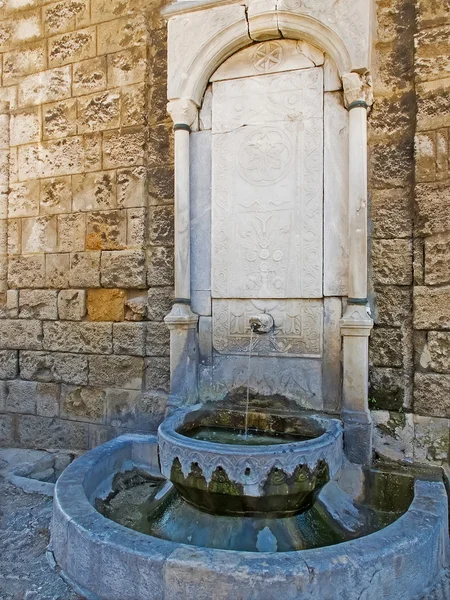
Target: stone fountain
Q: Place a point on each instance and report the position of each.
(260, 482)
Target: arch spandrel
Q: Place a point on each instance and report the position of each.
(201, 40)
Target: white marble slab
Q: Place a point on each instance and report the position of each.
(298, 326)
(269, 57)
(267, 190)
(335, 195)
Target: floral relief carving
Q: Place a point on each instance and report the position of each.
(297, 330)
(267, 186)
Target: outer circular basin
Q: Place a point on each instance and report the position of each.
(221, 478)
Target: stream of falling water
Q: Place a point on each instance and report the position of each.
(248, 383)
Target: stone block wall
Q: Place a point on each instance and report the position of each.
(86, 224)
(410, 231)
(85, 221)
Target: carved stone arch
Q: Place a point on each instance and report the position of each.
(226, 42)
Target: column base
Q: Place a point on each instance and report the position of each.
(357, 436)
(182, 323)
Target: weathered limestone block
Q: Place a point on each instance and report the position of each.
(44, 87)
(157, 339)
(432, 394)
(83, 403)
(393, 435)
(122, 408)
(72, 47)
(392, 116)
(25, 27)
(391, 212)
(123, 148)
(9, 364)
(65, 16)
(439, 351)
(425, 156)
(393, 305)
(60, 119)
(431, 440)
(161, 145)
(433, 208)
(6, 430)
(25, 126)
(47, 399)
(50, 159)
(136, 410)
(92, 144)
(133, 110)
(23, 200)
(106, 230)
(94, 191)
(84, 269)
(160, 302)
(106, 10)
(157, 373)
(129, 338)
(44, 432)
(20, 334)
(127, 67)
(55, 196)
(131, 187)
(89, 76)
(99, 111)
(136, 306)
(161, 225)
(100, 434)
(392, 262)
(432, 53)
(124, 269)
(116, 371)
(20, 396)
(39, 234)
(432, 12)
(394, 68)
(106, 305)
(431, 308)
(71, 232)
(160, 266)
(433, 104)
(386, 388)
(65, 336)
(136, 227)
(14, 236)
(57, 270)
(391, 163)
(38, 304)
(72, 305)
(58, 367)
(160, 184)
(437, 259)
(9, 304)
(121, 33)
(385, 347)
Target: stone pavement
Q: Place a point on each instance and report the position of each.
(25, 573)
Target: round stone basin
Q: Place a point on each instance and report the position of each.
(277, 469)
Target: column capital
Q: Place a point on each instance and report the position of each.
(356, 322)
(182, 111)
(358, 90)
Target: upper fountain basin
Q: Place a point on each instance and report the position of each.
(279, 476)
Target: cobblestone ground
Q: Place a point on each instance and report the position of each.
(24, 534)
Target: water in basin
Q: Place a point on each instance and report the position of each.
(222, 435)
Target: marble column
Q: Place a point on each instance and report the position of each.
(356, 323)
(181, 321)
